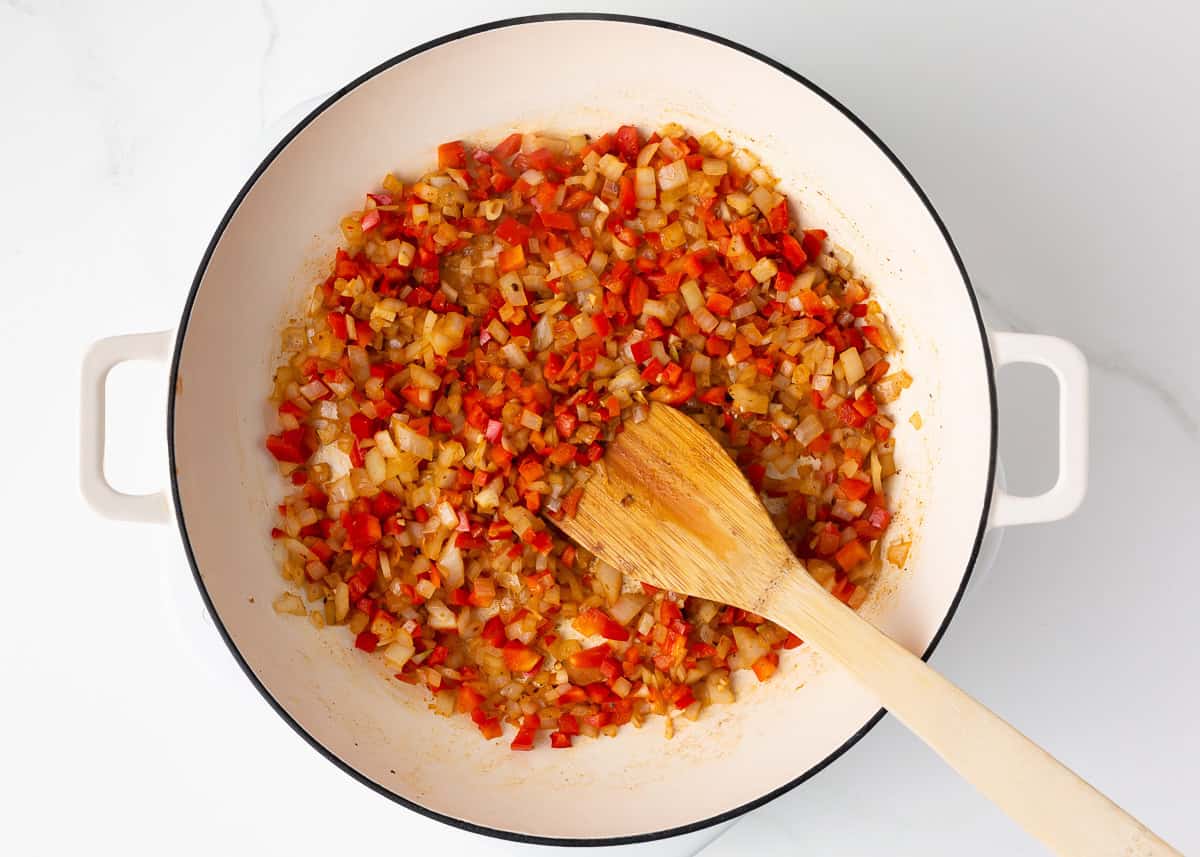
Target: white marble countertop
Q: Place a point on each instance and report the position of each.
(1059, 146)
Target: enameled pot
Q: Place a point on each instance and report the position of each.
(542, 73)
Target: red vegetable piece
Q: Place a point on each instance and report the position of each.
(362, 529)
(360, 426)
(566, 423)
(451, 154)
(854, 489)
(852, 554)
(508, 147)
(468, 699)
(814, 240)
(519, 658)
(513, 232)
(627, 199)
(490, 727)
(493, 631)
(628, 143)
(288, 446)
(561, 220)
(592, 657)
(523, 739)
(366, 641)
(595, 621)
(337, 323)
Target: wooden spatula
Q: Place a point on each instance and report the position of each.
(669, 507)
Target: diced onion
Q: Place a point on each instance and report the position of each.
(852, 366)
(627, 606)
(410, 441)
(644, 184)
(515, 356)
(673, 175)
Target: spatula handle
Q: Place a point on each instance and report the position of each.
(1036, 790)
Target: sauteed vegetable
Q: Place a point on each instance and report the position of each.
(483, 333)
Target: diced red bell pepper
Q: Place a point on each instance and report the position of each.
(683, 697)
(519, 658)
(827, 541)
(288, 446)
(531, 469)
(360, 426)
(814, 240)
(566, 423)
(875, 337)
(626, 196)
(511, 259)
(438, 656)
(337, 323)
(640, 350)
(483, 592)
(778, 218)
(678, 394)
(598, 692)
(523, 740)
(628, 143)
(765, 666)
(451, 154)
(866, 405)
(559, 740)
(571, 502)
(507, 147)
(820, 443)
(851, 554)
(849, 415)
(490, 727)
(653, 369)
(493, 631)
(596, 621)
(561, 220)
(362, 530)
(469, 699)
(854, 489)
(638, 292)
(322, 549)
(592, 657)
(513, 232)
(366, 641)
(719, 304)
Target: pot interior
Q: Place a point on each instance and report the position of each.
(569, 76)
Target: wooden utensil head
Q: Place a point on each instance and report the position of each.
(669, 507)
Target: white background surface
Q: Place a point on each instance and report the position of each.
(1057, 142)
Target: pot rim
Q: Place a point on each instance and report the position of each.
(462, 824)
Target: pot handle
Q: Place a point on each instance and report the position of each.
(1070, 367)
(97, 363)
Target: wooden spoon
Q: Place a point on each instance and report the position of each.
(669, 507)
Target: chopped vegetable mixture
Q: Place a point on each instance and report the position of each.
(481, 336)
